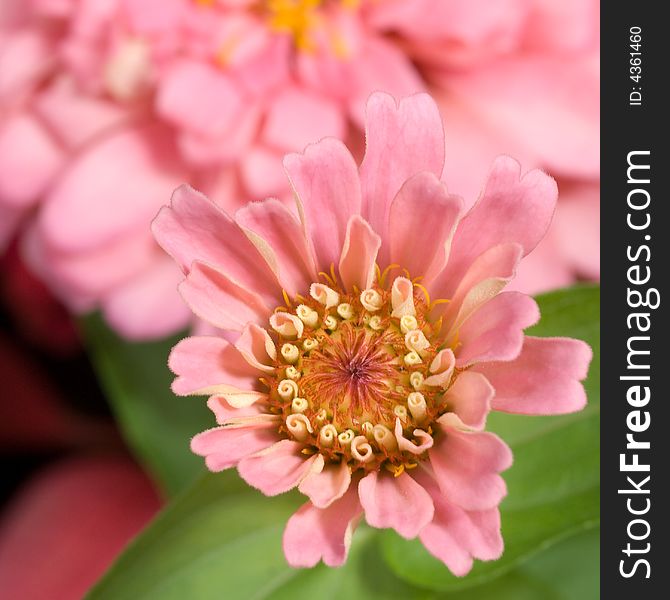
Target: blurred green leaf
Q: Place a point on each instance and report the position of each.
(554, 486)
(568, 570)
(222, 539)
(156, 424)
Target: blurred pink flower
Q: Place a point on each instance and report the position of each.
(369, 386)
(71, 520)
(105, 105)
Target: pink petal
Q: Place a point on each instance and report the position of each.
(359, 254)
(147, 307)
(544, 269)
(422, 221)
(325, 179)
(466, 466)
(132, 171)
(543, 380)
(277, 233)
(495, 331)
(314, 534)
(405, 445)
(298, 116)
(486, 277)
(25, 56)
(442, 368)
(563, 26)
(287, 325)
(224, 447)
(239, 399)
(470, 398)
(199, 97)
(378, 64)
(217, 299)
(534, 99)
(153, 16)
(455, 536)
(396, 502)
(512, 209)
(469, 23)
(402, 297)
(103, 269)
(224, 411)
(29, 160)
(204, 365)
(262, 174)
(194, 228)
(328, 485)
(51, 521)
(207, 150)
(74, 117)
(576, 227)
(278, 469)
(257, 348)
(401, 139)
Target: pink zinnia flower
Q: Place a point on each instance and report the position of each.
(369, 385)
(107, 105)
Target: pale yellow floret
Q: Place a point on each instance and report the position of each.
(408, 323)
(384, 437)
(324, 295)
(367, 429)
(287, 389)
(346, 437)
(400, 411)
(416, 340)
(290, 353)
(307, 315)
(371, 300)
(416, 380)
(361, 450)
(376, 323)
(345, 310)
(299, 405)
(330, 323)
(416, 402)
(327, 435)
(292, 373)
(299, 426)
(412, 358)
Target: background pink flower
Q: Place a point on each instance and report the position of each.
(105, 106)
(65, 527)
(369, 385)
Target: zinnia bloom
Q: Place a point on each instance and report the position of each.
(106, 106)
(373, 338)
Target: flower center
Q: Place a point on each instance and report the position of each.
(360, 376)
(303, 18)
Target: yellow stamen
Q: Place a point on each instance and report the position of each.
(425, 292)
(385, 272)
(439, 301)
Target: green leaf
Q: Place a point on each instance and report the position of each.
(156, 424)
(222, 539)
(554, 483)
(567, 570)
